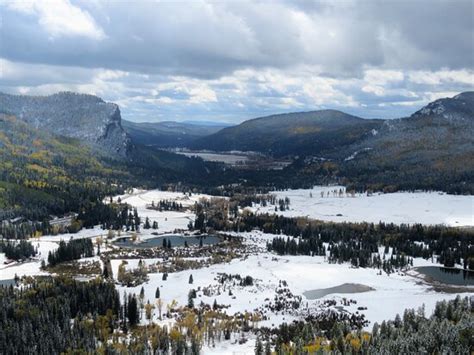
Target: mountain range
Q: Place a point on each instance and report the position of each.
(330, 133)
(169, 134)
(52, 145)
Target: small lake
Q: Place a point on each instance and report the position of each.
(450, 276)
(344, 288)
(6, 283)
(176, 241)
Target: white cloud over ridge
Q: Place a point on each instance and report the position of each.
(237, 60)
(59, 18)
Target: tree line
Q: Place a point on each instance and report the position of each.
(447, 331)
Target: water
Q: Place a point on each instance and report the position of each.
(450, 276)
(176, 240)
(6, 283)
(344, 288)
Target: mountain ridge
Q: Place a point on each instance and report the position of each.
(311, 132)
(86, 117)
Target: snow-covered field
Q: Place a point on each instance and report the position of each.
(392, 294)
(399, 207)
(31, 268)
(168, 221)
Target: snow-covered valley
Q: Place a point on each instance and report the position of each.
(272, 274)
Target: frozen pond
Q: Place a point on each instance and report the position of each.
(344, 288)
(450, 276)
(231, 159)
(175, 240)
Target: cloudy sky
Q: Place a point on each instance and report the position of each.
(234, 60)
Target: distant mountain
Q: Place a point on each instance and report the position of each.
(86, 117)
(169, 134)
(208, 123)
(303, 133)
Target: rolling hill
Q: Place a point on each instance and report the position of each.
(303, 133)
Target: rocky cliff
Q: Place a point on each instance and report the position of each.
(85, 117)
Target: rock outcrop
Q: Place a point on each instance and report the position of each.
(87, 118)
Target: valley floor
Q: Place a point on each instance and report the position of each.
(389, 294)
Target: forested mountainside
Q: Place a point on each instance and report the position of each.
(168, 134)
(433, 148)
(62, 152)
(42, 173)
(301, 133)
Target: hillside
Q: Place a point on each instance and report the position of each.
(87, 118)
(168, 134)
(431, 148)
(304, 133)
(42, 173)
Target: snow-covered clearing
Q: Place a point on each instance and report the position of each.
(168, 221)
(399, 207)
(44, 244)
(392, 293)
(31, 268)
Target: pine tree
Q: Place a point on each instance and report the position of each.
(190, 299)
(258, 347)
(132, 311)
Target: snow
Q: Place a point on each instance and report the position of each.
(168, 221)
(353, 155)
(231, 159)
(231, 347)
(31, 268)
(83, 233)
(400, 207)
(45, 244)
(392, 293)
(391, 296)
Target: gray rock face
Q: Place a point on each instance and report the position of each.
(457, 109)
(86, 117)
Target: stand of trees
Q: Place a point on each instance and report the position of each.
(347, 242)
(64, 316)
(447, 331)
(18, 251)
(37, 318)
(165, 205)
(72, 250)
(116, 216)
(356, 242)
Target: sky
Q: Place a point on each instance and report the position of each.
(234, 60)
